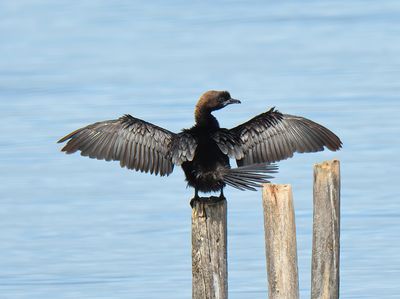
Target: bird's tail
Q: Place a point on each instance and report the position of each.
(250, 176)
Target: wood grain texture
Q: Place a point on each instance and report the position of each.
(326, 231)
(280, 242)
(209, 249)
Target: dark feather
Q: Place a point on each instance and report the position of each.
(273, 136)
(203, 151)
(135, 143)
(249, 177)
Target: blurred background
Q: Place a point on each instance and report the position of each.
(72, 227)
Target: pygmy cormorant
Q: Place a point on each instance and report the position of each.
(203, 151)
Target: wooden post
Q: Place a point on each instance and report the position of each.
(326, 231)
(280, 242)
(209, 249)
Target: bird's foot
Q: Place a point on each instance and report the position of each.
(207, 200)
(195, 198)
(192, 201)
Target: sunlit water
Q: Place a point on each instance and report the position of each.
(72, 227)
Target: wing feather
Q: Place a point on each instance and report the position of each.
(273, 136)
(183, 148)
(135, 143)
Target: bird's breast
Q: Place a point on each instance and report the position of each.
(205, 171)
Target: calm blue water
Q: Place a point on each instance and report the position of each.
(73, 227)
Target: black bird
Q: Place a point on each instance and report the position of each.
(203, 151)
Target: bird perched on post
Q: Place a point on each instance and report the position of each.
(203, 151)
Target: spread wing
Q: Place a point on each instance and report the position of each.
(273, 136)
(135, 143)
(183, 148)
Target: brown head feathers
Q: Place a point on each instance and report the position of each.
(210, 101)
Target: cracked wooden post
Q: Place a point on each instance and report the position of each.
(326, 231)
(209, 249)
(280, 242)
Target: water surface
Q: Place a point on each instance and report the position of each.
(73, 227)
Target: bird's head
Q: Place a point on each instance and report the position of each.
(214, 100)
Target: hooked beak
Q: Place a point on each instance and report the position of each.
(232, 101)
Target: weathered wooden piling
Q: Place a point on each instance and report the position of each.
(209, 249)
(280, 242)
(326, 231)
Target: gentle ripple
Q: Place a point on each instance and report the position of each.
(79, 228)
